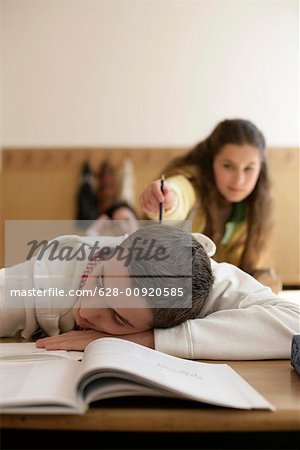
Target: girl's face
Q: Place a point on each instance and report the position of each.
(236, 170)
(111, 309)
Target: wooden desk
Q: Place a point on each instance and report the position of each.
(276, 380)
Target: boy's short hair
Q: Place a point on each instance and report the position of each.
(186, 270)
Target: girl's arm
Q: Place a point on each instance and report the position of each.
(180, 197)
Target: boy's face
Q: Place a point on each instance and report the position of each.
(112, 308)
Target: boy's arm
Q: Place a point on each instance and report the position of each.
(241, 320)
(79, 339)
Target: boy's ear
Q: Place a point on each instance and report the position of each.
(208, 245)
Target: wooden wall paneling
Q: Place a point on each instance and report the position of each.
(41, 183)
(284, 170)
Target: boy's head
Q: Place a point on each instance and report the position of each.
(158, 277)
(176, 274)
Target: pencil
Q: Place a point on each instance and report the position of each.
(161, 204)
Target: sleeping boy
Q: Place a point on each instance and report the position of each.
(157, 287)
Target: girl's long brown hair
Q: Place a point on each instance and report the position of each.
(199, 162)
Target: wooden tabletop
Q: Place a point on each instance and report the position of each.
(275, 380)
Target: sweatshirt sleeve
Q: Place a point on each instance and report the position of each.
(242, 320)
(17, 312)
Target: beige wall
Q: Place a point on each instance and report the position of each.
(147, 73)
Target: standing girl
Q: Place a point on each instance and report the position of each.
(223, 186)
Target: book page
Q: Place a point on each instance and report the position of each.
(20, 351)
(216, 384)
(108, 387)
(32, 384)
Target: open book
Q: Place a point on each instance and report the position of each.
(113, 367)
(15, 351)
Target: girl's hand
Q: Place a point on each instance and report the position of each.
(78, 340)
(152, 196)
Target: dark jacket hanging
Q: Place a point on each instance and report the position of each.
(87, 204)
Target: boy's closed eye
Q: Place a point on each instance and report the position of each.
(119, 320)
